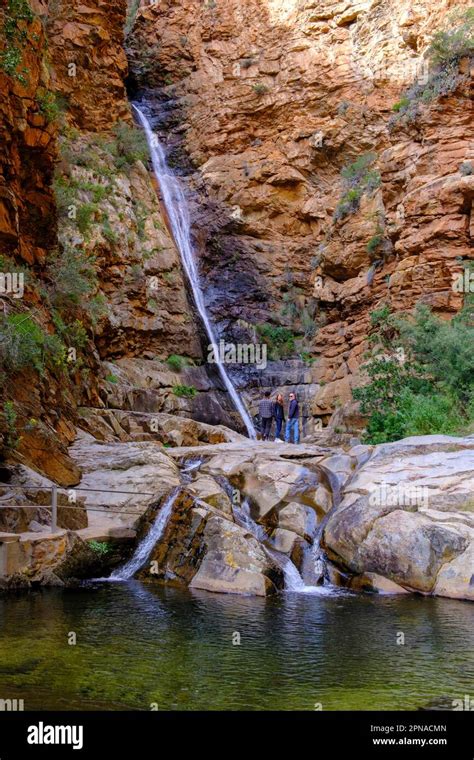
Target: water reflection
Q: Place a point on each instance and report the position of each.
(139, 644)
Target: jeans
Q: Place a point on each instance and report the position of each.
(292, 426)
(266, 427)
(279, 425)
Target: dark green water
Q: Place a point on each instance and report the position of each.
(138, 645)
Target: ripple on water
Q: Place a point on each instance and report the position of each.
(138, 644)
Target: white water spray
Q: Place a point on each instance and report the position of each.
(179, 220)
(293, 580)
(145, 546)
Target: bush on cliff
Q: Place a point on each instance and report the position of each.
(421, 375)
(11, 437)
(358, 178)
(176, 362)
(444, 54)
(456, 43)
(279, 340)
(24, 344)
(16, 16)
(73, 277)
(130, 145)
(184, 391)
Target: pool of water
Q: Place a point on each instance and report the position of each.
(142, 645)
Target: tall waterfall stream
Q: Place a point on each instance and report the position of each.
(180, 223)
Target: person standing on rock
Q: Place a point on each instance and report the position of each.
(265, 410)
(279, 414)
(293, 422)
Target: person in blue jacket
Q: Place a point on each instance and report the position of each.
(293, 421)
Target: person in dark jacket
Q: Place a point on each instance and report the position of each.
(293, 422)
(279, 414)
(265, 410)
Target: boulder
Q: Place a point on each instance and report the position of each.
(270, 474)
(206, 489)
(407, 516)
(297, 518)
(284, 541)
(375, 583)
(234, 562)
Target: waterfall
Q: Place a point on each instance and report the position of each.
(145, 547)
(179, 220)
(293, 580)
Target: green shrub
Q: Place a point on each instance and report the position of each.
(10, 60)
(421, 375)
(17, 14)
(64, 194)
(73, 334)
(130, 146)
(55, 351)
(24, 344)
(430, 414)
(358, 178)
(444, 53)
(359, 173)
(48, 105)
(73, 277)
(456, 43)
(402, 103)
(374, 243)
(279, 340)
(141, 215)
(110, 235)
(100, 547)
(260, 88)
(12, 439)
(85, 216)
(184, 391)
(21, 342)
(112, 378)
(306, 357)
(176, 362)
(97, 308)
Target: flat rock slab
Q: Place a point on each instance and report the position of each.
(120, 480)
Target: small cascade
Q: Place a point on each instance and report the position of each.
(314, 566)
(145, 547)
(190, 467)
(245, 520)
(180, 223)
(293, 580)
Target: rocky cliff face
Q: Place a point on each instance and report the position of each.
(81, 221)
(28, 223)
(264, 103)
(88, 61)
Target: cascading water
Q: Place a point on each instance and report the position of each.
(143, 550)
(293, 580)
(179, 220)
